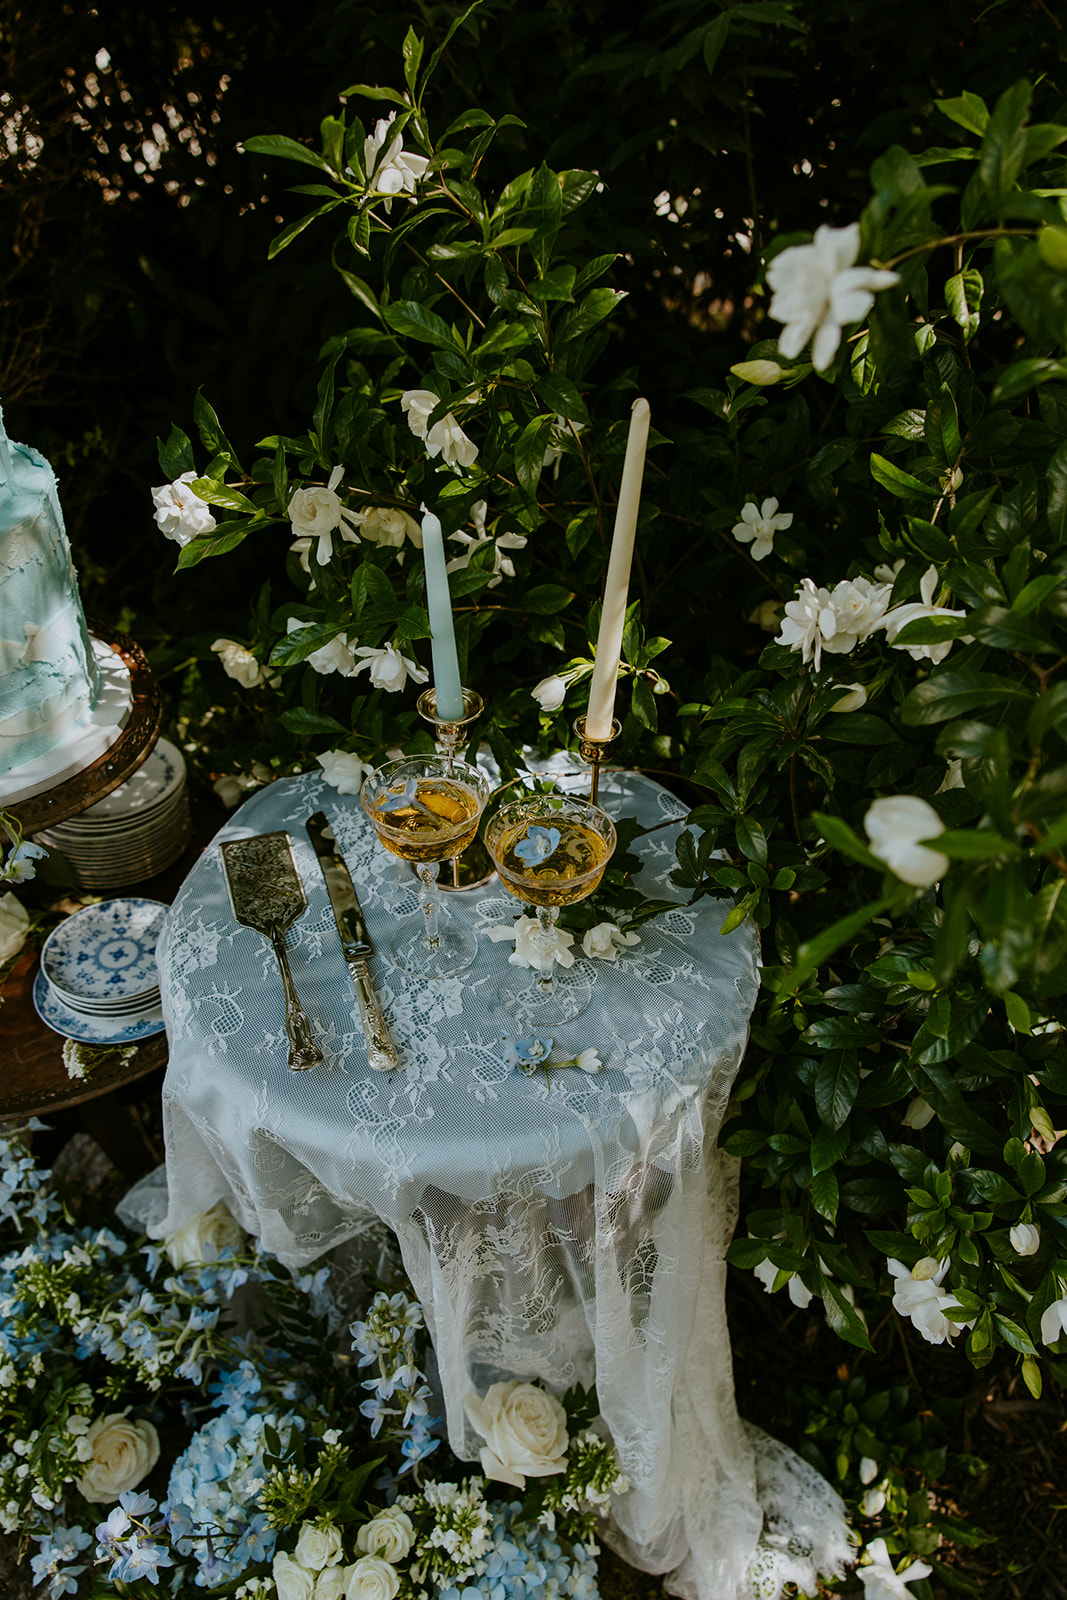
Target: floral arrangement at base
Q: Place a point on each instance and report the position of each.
(154, 1447)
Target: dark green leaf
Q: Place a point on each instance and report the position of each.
(898, 482)
(837, 1081)
(276, 144)
(416, 321)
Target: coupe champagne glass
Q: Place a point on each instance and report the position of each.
(548, 852)
(425, 809)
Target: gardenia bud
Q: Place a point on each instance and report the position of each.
(1025, 1239)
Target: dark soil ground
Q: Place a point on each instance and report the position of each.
(1017, 1495)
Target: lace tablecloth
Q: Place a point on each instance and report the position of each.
(555, 1230)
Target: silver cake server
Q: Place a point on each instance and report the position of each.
(382, 1053)
(267, 895)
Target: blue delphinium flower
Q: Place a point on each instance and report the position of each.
(528, 1053)
(538, 845)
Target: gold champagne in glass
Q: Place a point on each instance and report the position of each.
(425, 810)
(549, 852)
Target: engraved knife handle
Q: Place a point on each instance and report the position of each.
(382, 1053)
(303, 1051)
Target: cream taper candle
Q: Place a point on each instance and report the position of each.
(617, 585)
(442, 633)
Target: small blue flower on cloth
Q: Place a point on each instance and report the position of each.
(538, 845)
(533, 1052)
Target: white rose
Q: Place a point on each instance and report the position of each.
(389, 1535)
(319, 1546)
(14, 926)
(895, 826)
(388, 668)
(390, 526)
(204, 1237)
(1025, 1239)
(551, 692)
(525, 1431)
(292, 1581)
(603, 940)
(180, 513)
(123, 1452)
(330, 1583)
(343, 769)
(370, 1578)
(239, 663)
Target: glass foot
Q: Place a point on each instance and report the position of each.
(524, 998)
(456, 949)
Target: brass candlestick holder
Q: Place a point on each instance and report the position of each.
(473, 867)
(595, 751)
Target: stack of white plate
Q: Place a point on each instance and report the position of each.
(134, 832)
(98, 981)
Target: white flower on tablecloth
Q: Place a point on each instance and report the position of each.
(852, 700)
(180, 513)
(292, 1581)
(503, 566)
(343, 770)
(588, 1061)
(388, 525)
(895, 826)
(391, 169)
(335, 656)
(204, 1237)
(317, 513)
(1054, 1321)
(122, 1452)
(389, 1535)
(446, 438)
(920, 1297)
(605, 940)
(1025, 1239)
(241, 665)
(371, 1578)
(14, 926)
(388, 668)
(758, 527)
(900, 616)
(526, 952)
(798, 1292)
(817, 290)
(525, 1432)
(19, 866)
(319, 1545)
(882, 1581)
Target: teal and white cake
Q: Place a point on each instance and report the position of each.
(62, 699)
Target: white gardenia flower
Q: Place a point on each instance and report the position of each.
(835, 620)
(389, 525)
(872, 1503)
(388, 668)
(767, 616)
(240, 664)
(1025, 1239)
(760, 526)
(525, 1432)
(881, 1581)
(817, 290)
(502, 563)
(551, 692)
(204, 1237)
(317, 513)
(343, 769)
(180, 513)
(604, 940)
(895, 826)
(123, 1452)
(920, 1297)
(389, 1535)
(919, 1112)
(292, 1581)
(526, 953)
(799, 1293)
(390, 168)
(953, 778)
(14, 926)
(336, 656)
(868, 1469)
(900, 616)
(371, 1578)
(446, 438)
(319, 1546)
(853, 700)
(1054, 1321)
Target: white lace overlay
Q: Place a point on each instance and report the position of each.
(558, 1228)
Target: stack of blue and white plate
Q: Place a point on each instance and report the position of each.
(98, 982)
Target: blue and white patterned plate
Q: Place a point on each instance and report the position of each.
(90, 1030)
(105, 952)
(151, 786)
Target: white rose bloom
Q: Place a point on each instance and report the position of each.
(370, 1578)
(759, 527)
(388, 668)
(343, 769)
(390, 168)
(895, 826)
(1025, 1239)
(525, 1431)
(389, 1535)
(900, 616)
(330, 1583)
(204, 1237)
(317, 512)
(319, 1546)
(853, 700)
(920, 1297)
(1054, 1321)
(239, 664)
(390, 526)
(180, 513)
(551, 692)
(604, 940)
(14, 926)
(337, 656)
(881, 1581)
(122, 1453)
(817, 290)
(292, 1581)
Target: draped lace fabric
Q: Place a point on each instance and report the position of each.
(556, 1228)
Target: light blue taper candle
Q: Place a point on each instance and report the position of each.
(446, 682)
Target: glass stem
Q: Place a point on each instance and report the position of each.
(544, 944)
(429, 903)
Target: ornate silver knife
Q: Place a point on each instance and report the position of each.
(381, 1051)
